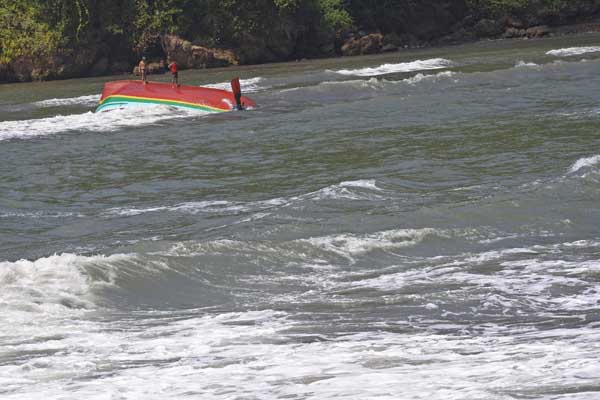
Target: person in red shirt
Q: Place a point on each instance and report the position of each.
(174, 73)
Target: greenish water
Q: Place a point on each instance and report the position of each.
(401, 226)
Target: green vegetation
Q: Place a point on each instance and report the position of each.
(85, 31)
(23, 31)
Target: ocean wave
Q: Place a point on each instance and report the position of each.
(427, 77)
(357, 88)
(361, 183)
(511, 278)
(355, 244)
(89, 100)
(39, 214)
(346, 245)
(267, 355)
(51, 284)
(91, 122)
(339, 88)
(573, 51)
(249, 249)
(440, 269)
(586, 162)
(196, 207)
(418, 65)
(372, 83)
(523, 64)
(251, 85)
(365, 189)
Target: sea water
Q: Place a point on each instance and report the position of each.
(417, 225)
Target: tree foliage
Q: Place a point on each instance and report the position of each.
(22, 31)
(36, 28)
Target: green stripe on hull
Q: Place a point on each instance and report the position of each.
(116, 100)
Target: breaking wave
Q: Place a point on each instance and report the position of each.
(51, 284)
(366, 189)
(523, 64)
(585, 163)
(251, 85)
(428, 77)
(573, 51)
(91, 122)
(211, 207)
(349, 190)
(349, 245)
(419, 65)
(89, 100)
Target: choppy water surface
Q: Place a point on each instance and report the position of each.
(416, 225)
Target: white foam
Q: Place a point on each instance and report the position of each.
(362, 183)
(418, 65)
(508, 278)
(109, 121)
(251, 85)
(48, 285)
(89, 100)
(426, 77)
(339, 191)
(523, 64)
(195, 207)
(354, 353)
(192, 207)
(351, 244)
(584, 163)
(344, 191)
(256, 355)
(354, 84)
(573, 51)
(39, 214)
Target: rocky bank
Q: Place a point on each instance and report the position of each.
(438, 22)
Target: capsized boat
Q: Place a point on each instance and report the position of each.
(121, 94)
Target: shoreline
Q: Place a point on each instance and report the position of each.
(570, 30)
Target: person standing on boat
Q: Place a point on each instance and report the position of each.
(174, 73)
(142, 68)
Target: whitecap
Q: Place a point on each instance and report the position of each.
(40, 214)
(362, 183)
(89, 100)
(584, 163)
(51, 284)
(251, 85)
(190, 206)
(353, 244)
(196, 207)
(109, 121)
(347, 190)
(418, 65)
(523, 64)
(573, 51)
(425, 77)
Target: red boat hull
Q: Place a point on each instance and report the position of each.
(120, 94)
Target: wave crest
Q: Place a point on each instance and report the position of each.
(573, 51)
(50, 284)
(350, 244)
(418, 65)
(251, 85)
(89, 100)
(91, 122)
(585, 163)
